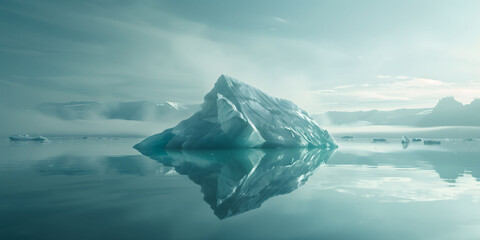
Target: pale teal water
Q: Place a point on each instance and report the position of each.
(101, 188)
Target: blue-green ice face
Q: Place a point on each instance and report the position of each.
(323, 55)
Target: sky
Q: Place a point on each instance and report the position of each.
(322, 55)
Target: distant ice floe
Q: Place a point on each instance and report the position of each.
(432, 142)
(405, 142)
(26, 137)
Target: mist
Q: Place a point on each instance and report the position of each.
(27, 121)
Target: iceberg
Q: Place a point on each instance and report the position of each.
(347, 138)
(237, 115)
(25, 137)
(405, 139)
(405, 142)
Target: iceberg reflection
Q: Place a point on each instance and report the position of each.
(236, 181)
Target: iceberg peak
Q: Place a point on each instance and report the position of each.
(237, 115)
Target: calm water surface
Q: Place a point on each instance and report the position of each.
(101, 188)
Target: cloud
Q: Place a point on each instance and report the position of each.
(384, 76)
(402, 77)
(281, 20)
(143, 53)
(417, 82)
(399, 92)
(414, 81)
(371, 95)
(345, 86)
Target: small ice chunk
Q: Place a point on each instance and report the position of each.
(405, 142)
(25, 137)
(405, 139)
(431, 142)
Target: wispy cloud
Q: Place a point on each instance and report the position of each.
(416, 82)
(373, 95)
(279, 19)
(401, 91)
(384, 76)
(344, 86)
(402, 77)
